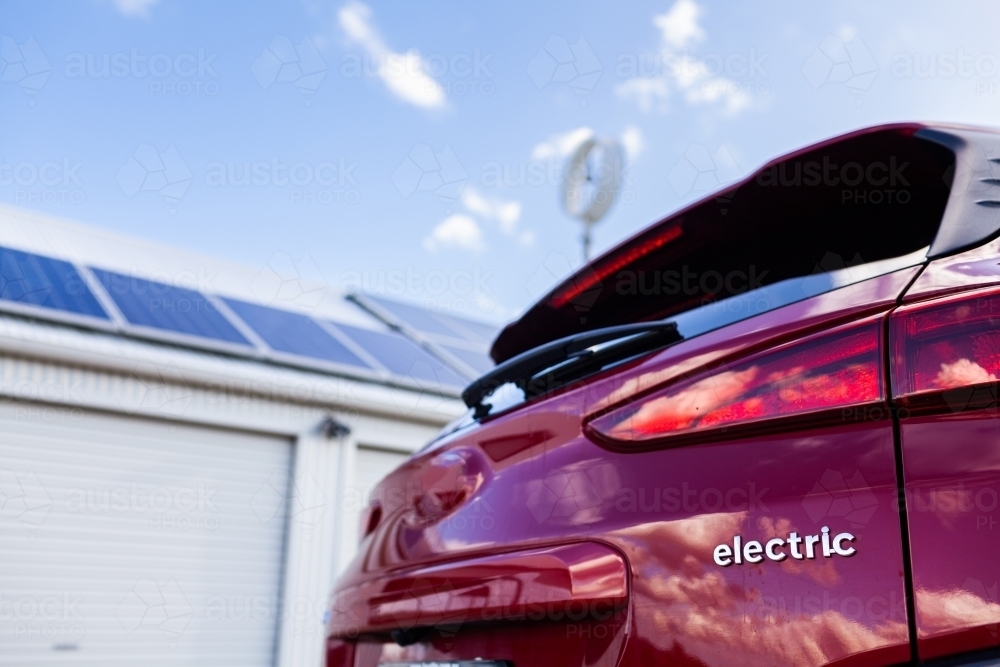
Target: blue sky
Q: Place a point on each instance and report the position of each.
(416, 149)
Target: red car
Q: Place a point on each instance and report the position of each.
(763, 431)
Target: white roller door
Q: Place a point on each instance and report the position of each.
(133, 542)
(370, 466)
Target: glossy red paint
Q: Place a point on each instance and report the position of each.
(578, 581)
(977, 267)
(945, 356)
(952, 472)
(541, 484)
(339, 652)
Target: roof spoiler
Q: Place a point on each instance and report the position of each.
(971, 217)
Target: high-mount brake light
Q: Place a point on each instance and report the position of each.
(819, 377)
(599, 272)
(947, 350)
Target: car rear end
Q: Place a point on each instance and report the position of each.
(722, 490)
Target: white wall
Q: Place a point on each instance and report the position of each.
(45, 365)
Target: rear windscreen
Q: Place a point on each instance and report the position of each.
(858, 200)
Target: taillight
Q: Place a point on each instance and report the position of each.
(944, 345)
(826, 375)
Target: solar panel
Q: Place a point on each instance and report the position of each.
(401, 356)
(420, 319)
(471, 330)
(149, 306)
(164, 307)
(292, 333)
(478, 361)
(49, 283)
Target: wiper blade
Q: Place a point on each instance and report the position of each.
(570, 358)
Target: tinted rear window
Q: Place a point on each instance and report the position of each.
(862, 199)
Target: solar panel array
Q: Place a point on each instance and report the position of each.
(294, 334)
(34, 280)
(158, 306)
(54, 289)
(401, 356)
(464, 343)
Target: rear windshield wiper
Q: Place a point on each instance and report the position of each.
(547, 367)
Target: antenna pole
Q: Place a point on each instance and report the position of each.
(588, 192)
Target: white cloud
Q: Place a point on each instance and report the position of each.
(680, 24)
(138, 8)
(682, 72)
(404, 74)
(561, 145)
(633, 141)
(456, 231)
(648, 92)
(507, 213)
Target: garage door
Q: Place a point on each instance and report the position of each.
(134, 542)
(371, 465)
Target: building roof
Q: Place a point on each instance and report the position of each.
(76, 275)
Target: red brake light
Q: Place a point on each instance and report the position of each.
(831, 371)
(949, 343)
(614, 264)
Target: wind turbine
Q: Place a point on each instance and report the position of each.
(591, 182)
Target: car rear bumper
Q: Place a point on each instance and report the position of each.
(494, 607)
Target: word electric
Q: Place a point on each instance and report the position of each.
(806, 547)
